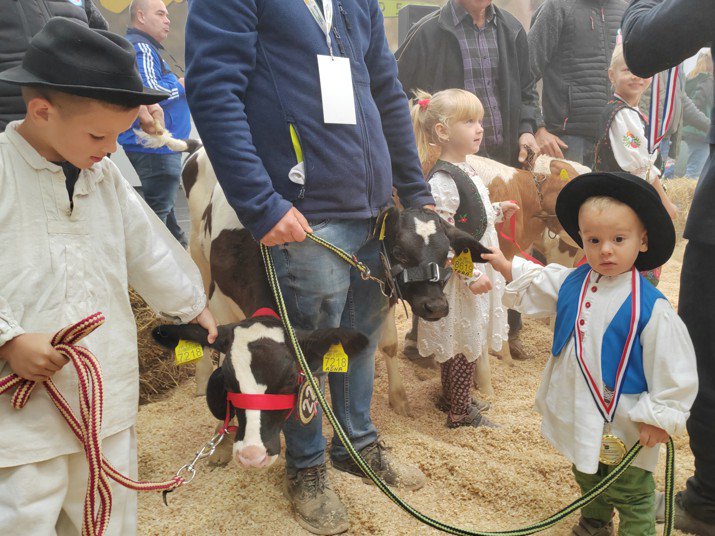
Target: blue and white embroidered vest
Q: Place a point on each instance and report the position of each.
(614, 338)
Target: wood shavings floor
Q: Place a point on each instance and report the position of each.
(478, 478)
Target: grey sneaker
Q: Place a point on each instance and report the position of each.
(442, 405)
(392, 472)
(592, 527)
(317, 507)
(474, 419)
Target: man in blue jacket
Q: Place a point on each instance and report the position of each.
(254, 85)
(159, 170)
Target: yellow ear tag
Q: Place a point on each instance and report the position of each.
(463, 264)
(382, 229)
(335, 359)
(564, 176)
(187, 351)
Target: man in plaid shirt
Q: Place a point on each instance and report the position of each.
(492, 46)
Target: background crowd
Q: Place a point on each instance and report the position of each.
(539, 91)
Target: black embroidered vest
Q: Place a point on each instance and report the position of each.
(604, 159)
(471, 215)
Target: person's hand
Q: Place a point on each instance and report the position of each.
(207, 321)
(527, 143)
(481, 285)
(672, 209)
(549, 143)
(500, 263)
(508, 209)
(151, 118)
(32, 357)
(182, 82)
(292, 227)
(650, 435)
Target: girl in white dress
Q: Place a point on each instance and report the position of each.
(451, 120)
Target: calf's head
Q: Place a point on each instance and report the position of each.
(417, 241)
(258, 361)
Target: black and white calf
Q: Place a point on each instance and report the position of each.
(417, 242)
(258, 362)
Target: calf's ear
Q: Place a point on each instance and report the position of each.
(168, 336)
(316, 343)
(389, 220)
(216, 394)
(459, 241)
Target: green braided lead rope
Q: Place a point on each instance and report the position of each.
(382, 486)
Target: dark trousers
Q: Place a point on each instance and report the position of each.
(160, 175)
(697, 295)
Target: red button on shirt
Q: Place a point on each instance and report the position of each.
(581, 322)
(594, 289)
(588, 304)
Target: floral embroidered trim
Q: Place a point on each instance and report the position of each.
(631, 140)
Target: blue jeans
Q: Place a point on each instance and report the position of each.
(699, 152)
(668, 172)
(160, 175)
(580, 149)
(323, 291)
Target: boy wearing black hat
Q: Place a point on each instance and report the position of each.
(74, 235)
(623, 367)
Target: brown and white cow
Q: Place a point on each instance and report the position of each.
(232, 270)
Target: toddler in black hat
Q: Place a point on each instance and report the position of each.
(74, 236)
(623, 366)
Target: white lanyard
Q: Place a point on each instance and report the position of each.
(607, 408)
(324, 18)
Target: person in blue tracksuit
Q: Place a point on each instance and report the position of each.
(159, 169)
(254, 88)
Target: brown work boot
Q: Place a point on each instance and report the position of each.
(686, 522)
(392, 472)
(317, 507)
(593, 527)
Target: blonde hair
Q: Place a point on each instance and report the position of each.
(617, 56)
(704, 64)
(445, 107)
(600, 203)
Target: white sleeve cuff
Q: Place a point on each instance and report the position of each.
(669, 419)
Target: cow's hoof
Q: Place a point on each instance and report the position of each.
(399, 403)
(223, 453)
(517, 350)
(413, 356)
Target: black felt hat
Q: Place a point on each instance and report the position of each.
(634, 192)
(72, 58)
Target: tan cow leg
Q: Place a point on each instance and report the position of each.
(483, 374)
(397, 395)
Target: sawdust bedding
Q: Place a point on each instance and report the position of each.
(478, 478)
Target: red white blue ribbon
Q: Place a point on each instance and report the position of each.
(608, 408)
(659, 123)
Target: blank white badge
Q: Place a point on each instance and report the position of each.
(336, 88)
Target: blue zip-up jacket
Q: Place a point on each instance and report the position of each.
(156, 74)
(252, 71)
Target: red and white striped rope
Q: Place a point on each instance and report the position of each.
(98, 499)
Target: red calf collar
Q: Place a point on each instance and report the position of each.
(264, 402)
(265, 311)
